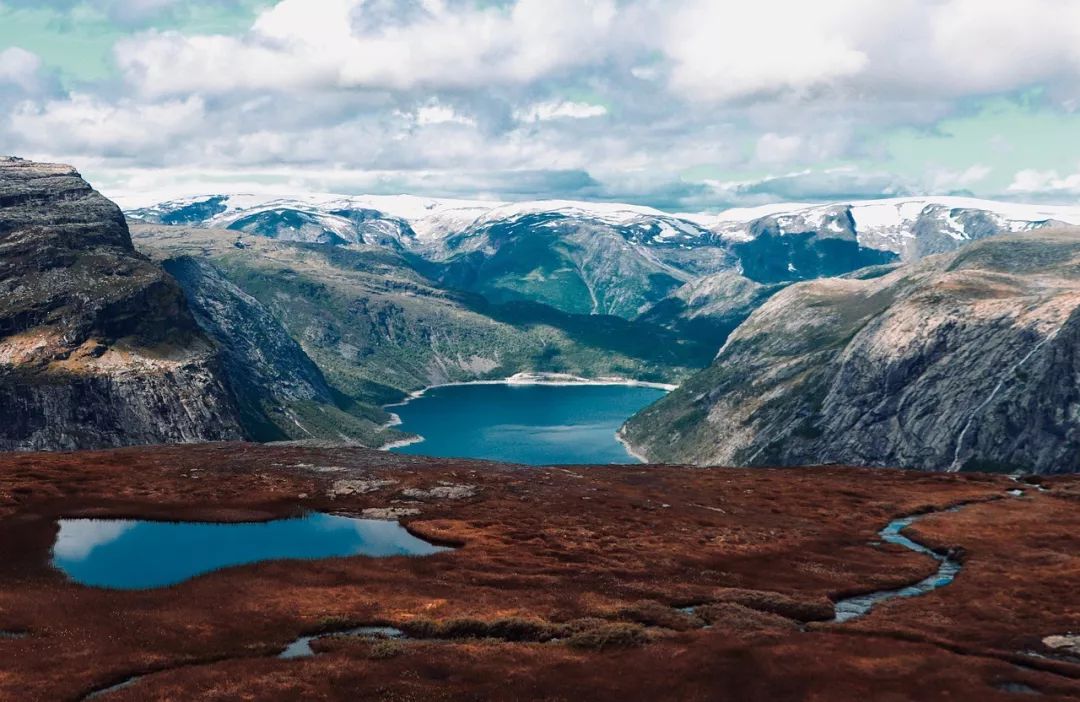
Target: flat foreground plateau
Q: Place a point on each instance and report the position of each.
(626, 583)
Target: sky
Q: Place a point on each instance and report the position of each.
(685, 105)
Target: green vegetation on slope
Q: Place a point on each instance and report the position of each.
(378, 329)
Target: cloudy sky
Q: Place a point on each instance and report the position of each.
(680, 104)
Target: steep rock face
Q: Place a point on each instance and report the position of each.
(964, 360)
(788, 249)
(97, 347)
(280, 392)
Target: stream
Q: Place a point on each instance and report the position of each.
(853, 607)
(948, 567)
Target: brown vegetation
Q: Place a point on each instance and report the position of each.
(569, 584)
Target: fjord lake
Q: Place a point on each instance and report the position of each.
(529, 424)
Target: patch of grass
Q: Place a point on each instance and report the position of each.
(609, 636)
(333, 623)
(507, 629)
(803, 610)
(734, 617)
(384, 649)
(653, 613)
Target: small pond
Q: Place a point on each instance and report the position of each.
(134, 554)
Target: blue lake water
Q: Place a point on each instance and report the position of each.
(132, 554)
(529, 424)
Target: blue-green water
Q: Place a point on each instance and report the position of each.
(134, 555)
(529, 424)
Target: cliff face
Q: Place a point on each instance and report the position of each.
(964, 360)
(97, 346)
(280, 392)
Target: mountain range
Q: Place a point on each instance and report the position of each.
(801, 333)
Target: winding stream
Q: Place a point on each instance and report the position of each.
(853, 607)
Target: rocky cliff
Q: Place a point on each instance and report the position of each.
(280, 393)
(967, 360)
(97, 346)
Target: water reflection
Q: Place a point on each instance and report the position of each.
(131, 554)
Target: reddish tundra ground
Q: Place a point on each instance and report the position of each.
(567, 585)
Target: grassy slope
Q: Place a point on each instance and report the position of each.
(377, 329)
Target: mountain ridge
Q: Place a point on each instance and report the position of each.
(965, 360)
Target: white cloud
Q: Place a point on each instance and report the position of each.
(978, 46)
(774, 148)
(559, 109)
(19, 67)
(420, 92)
(83, 124)
(436, 113)
(946, 181)
(903, 49)
(298, 43)
(724, 50)
(1031, 181)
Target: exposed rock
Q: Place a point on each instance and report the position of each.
(343, 488)
(1065, 643)
(97, 346)
(964, 360)
(441, 492)
(389, 514)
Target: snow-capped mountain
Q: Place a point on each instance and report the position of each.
(374, 219)
(415, 219)
(613, 258)
(893, 225)
(909, 227)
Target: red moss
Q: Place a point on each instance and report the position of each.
(547, 553)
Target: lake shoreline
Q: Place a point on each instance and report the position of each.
(402, 443)
(523, 379)
(621, 438)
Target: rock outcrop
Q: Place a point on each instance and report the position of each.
(97, 346)
(967, 360)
